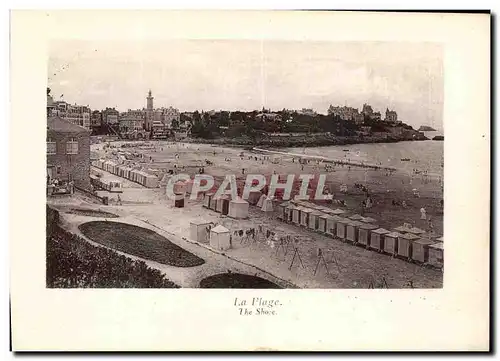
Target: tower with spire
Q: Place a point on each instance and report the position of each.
(149, 101)
(149, 111)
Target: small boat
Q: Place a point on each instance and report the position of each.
(346, 150)
(405, 159)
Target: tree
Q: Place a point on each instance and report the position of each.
(175, 124)
(196, 117)
(206, 118)
(224, 119)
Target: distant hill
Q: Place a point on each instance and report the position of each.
(426, 128)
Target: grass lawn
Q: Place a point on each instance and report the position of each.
(72, 262)
(236, 280)
(140, 242)
(91, 213)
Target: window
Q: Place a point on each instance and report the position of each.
(72, 146)
(58, 170)
(51, 146)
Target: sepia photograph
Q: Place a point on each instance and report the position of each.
(231, 168)
(245, 164)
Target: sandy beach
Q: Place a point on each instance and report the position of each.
(383, 187)
(348, 266)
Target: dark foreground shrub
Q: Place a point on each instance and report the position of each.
(72, 262)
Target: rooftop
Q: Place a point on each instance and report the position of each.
(58, 124)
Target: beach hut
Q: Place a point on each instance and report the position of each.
(322, 222)
(220, 238)
(179, 187)
(320, 208)
(267, 205)
(134, 175)
(208, 199)
(364, 233)
(436, 254)
(126, 173)
(198, 230)
(355, 217)
(213, 203)
(403, 229)
(131, 174)
(352, 231)
(289, 212)
(238, 208)
(304, 217)
(341, 227)
(310, 205)
(142, 178)
(261, 200)
(416, 231)
(377, 239)
(367, 220)
(150, 181)
(330, 225)
(314, 220)
(338, 212)
(405, 241)
(420, 252)
(179, 200)
(254, 197)
(390, 243)
(296, 215)
(282, 210)
(223, 204)
(328, 211)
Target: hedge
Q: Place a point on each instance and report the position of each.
(72, 262)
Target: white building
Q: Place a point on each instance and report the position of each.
(76, 114)
(307, 111)
(391, 116)
(346, 113)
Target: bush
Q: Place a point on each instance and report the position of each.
(52, 220)
(72, 262)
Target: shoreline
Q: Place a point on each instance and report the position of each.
(309, 141)
(328, 160)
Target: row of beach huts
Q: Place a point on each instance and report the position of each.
(406, 242)
(135, 175)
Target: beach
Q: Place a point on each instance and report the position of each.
(384, 187)
(345, 266)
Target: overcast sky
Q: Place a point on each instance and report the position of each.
(247, 75)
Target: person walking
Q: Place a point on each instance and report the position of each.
(423, 214)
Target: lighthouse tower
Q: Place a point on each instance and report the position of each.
(149, 101)
(149, 111)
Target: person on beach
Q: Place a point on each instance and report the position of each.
(423, 213)
(430, 225)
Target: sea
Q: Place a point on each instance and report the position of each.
(427, 155)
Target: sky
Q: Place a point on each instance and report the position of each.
(251, 74)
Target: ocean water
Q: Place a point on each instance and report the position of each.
(423, 155)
